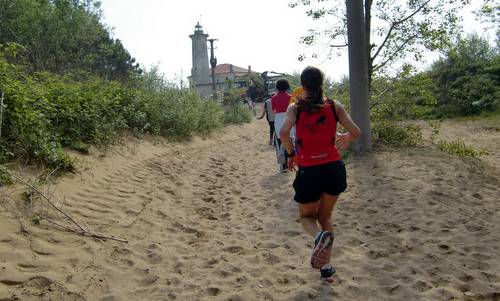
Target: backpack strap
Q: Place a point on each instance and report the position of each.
(334, 110)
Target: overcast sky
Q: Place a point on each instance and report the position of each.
(262, 33)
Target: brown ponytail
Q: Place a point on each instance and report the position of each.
(312, 81)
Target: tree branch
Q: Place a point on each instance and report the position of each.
(412, 14)
(48, 200)
(394, 25)
(83, 233)
(393, 54)
(379, 96)
(80, 231)
(338, 46)
(383, 43)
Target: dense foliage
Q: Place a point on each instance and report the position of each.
(468, 78)
(64, 36)
(235, 109)
(66, 83)
(465, 81)
(395, 30)
(45, 112)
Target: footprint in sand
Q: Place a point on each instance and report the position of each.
(271, 258)
(422, 286)
(477, 196)
(376, 254)
(291, 233)
(480, 256)
(148, 280)
(213, 291)
(466, 278)
(444, 247)
(30, 268)
(154, 258)
(234, 249)
(38, 282)
(208, 199)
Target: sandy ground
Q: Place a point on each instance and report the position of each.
(476, 134)
(213, 220)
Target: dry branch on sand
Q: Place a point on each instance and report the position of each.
(73, 227)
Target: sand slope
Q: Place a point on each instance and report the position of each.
(212, 220)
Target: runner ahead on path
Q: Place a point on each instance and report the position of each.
(279, 102)
(268, 112)
(321, 175)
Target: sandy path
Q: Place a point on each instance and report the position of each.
(476, 134)
(212, 220)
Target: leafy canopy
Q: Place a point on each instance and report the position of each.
(396, 30)
(64, 35)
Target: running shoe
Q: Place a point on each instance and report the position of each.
(322, 243)
(327, 273)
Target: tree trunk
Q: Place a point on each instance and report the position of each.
(358, 74)
(369, 46)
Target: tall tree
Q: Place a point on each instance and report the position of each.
(358, 74)
(64, 35)
(467, 78)
(395, 30)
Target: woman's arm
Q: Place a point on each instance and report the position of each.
(291, 116)
(353, 132)
(289, 122)
(263, 113)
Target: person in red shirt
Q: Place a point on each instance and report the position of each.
(279, 103)
(321, 175)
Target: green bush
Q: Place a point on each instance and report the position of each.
(459, 148)
(467, 79)
(211, 117)
(235, 111)
(5, 177)
(456, 148)
(394, 134)
(45, 112)
(410, 96)
(158, 107)
(237, 114)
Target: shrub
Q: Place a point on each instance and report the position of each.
(459, 148)
(5, 177)
(45, 112)
(467, 81)
(211, 117)
(237, 114)
(395, 134)
(153, 105)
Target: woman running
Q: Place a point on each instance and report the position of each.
(321, 175)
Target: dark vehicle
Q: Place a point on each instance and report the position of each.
(270, 78)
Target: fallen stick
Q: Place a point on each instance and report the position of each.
(81, 230)
(89, 234)
(47, 199)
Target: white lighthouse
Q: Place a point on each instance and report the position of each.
(200, 73)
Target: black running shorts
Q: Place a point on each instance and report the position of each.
(311, 182)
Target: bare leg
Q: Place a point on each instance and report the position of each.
(308, 217)
(326, 205)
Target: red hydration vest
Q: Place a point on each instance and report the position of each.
(315, 136)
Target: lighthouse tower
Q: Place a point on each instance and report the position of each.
(200, 73)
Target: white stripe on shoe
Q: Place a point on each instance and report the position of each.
(319, 254)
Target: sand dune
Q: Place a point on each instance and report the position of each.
(213, 220)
